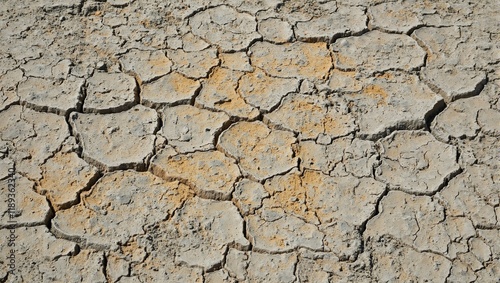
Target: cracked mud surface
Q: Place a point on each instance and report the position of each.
(250, 141)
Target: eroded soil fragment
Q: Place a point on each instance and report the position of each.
(109, 141)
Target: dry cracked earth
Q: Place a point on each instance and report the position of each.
(249, 141)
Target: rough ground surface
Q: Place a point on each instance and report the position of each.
(250, 141)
